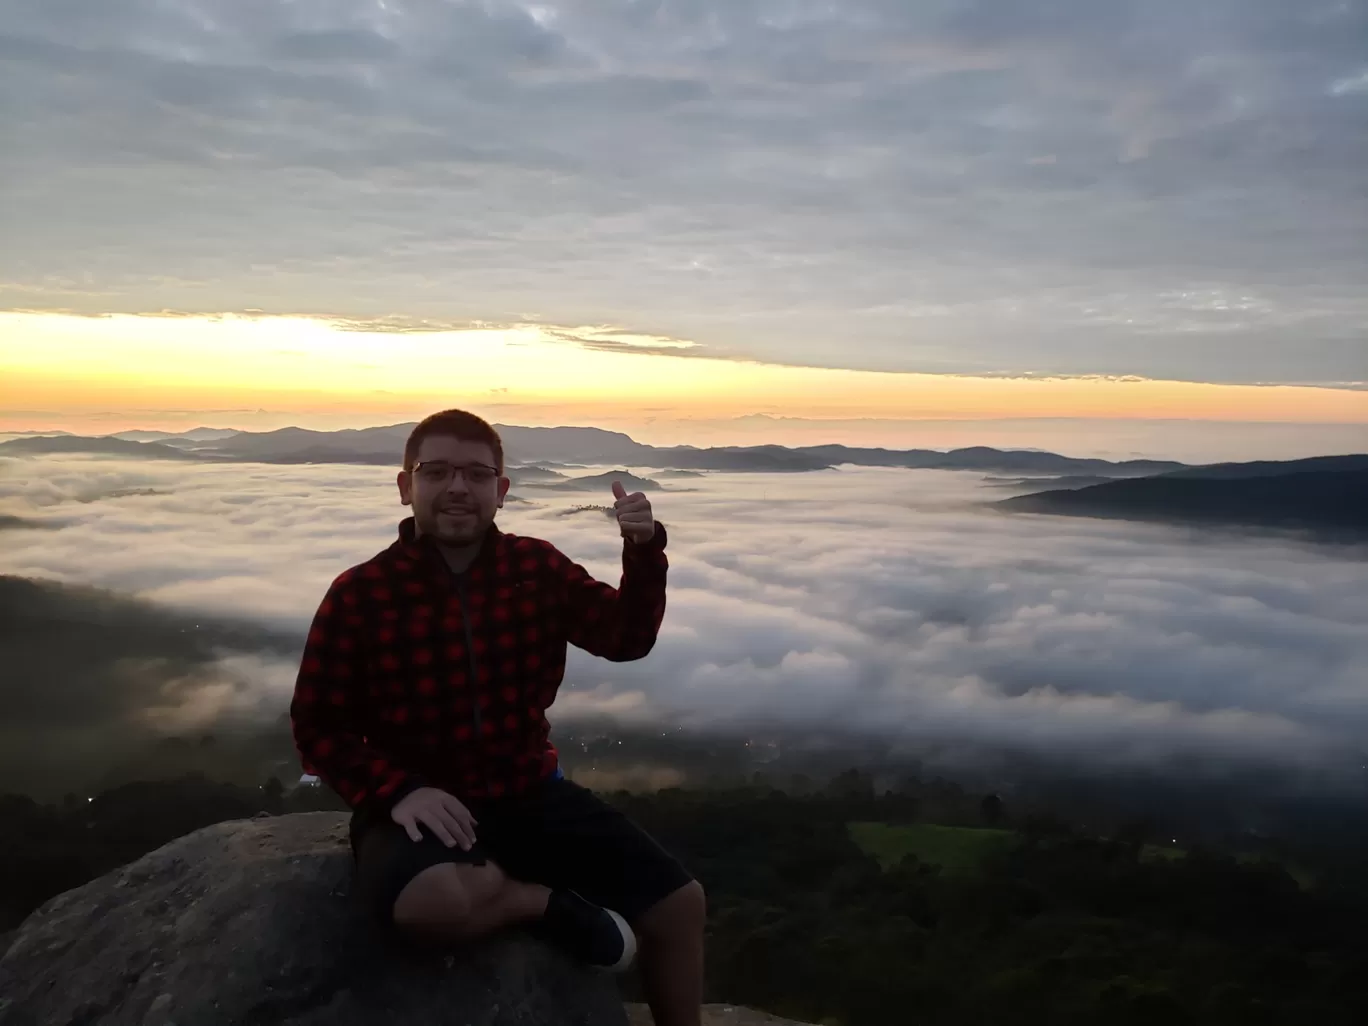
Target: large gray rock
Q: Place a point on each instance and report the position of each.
(717, 1015)
(250, 923)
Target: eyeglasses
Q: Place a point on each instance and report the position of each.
(440, 472)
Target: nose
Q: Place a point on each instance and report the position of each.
(457, 485)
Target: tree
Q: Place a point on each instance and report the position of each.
(274, 792)
(852, 783)
(991, 809)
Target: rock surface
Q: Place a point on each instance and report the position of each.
(250, 923)
(716, 1015)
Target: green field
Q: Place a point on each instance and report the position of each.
(963, 849)
(1168, 853)
(954, 849)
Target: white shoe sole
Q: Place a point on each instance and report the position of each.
(629, 944)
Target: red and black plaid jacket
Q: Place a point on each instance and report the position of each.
(413, 676)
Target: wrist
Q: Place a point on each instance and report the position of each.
(655, 540)
(411, 784)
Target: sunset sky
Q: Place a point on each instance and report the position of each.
(875, 221)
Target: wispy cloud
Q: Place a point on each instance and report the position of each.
(618, 340)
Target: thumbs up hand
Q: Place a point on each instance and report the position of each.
(634, 515)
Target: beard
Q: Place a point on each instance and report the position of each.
(454, 525)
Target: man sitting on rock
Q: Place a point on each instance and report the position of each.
(421, 700)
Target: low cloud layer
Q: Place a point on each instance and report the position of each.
(1170, 189)
(881, 604)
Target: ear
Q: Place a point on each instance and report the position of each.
(405, 484)
(504, 485)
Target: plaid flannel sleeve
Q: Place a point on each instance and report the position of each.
(328, 710)
(619, 624)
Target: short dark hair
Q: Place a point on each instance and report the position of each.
(459, 424)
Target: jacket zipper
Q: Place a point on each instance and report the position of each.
(464, 593)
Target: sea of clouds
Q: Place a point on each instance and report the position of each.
(888, 604)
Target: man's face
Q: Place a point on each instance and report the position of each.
(454, 489)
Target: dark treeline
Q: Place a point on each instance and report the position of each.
(1057, 928)
(1054, 926)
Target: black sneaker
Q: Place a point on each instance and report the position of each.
(598, 936)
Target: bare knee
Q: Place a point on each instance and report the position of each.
(680, 914)
(443, 899)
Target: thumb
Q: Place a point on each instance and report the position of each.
(618, 491)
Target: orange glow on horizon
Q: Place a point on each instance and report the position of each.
(61, 369)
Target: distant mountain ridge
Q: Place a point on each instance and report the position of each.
(1325, 495)
(383, 445)
(199, 434)
(80, 445)
(1273, 468)
(981, 457)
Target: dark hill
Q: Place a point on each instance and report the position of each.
(1273, 468)
(8, 522)
(44, 445)
(1330, 503)
(603, 483)
(81, 667)
(534, 475)
(1069, 481)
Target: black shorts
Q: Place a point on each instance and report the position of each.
(559, 834)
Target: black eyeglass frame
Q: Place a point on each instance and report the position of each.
(462, 470)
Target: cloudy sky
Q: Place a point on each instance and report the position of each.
(935, 196)
(877, 602)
